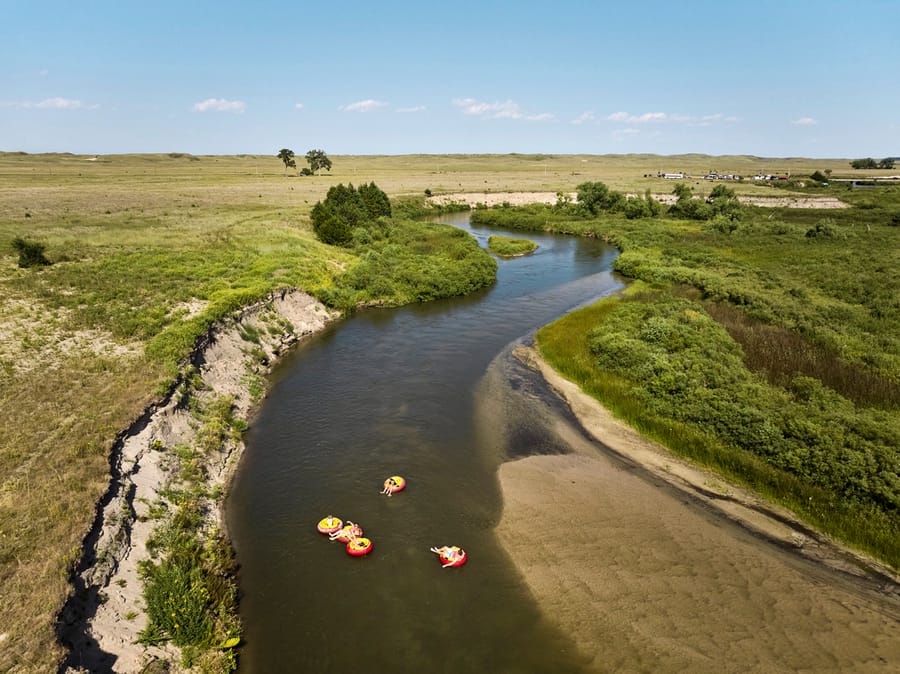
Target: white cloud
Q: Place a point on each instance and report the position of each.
(498, 110)
(584, 117)
(367, 105)
(50, 104)
(638, 119)
(710, 120)
(650, 117)
(417, 108)
(60, 104)
(299, 106)
(219, 105)
(805, 121)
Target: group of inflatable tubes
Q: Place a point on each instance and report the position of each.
(358, 545)
(348, 533)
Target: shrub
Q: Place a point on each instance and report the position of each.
(596, 196)
(31, 253)
(824, 228)
(636, 207)
(345, 209)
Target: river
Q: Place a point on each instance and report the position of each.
(431, 393)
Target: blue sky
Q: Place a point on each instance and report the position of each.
(771, 78)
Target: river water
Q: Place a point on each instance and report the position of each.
(393, 391)
(430, 392)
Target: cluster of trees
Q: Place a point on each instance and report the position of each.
(317, 160)
(596, 197)
(721, 202)
(869, 163)
(349, 213)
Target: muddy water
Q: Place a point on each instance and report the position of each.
(429, 392)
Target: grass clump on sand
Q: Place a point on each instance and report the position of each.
(505, 246)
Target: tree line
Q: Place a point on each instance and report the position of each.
(869, 163)
(317, 160)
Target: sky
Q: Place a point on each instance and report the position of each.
(762, 77)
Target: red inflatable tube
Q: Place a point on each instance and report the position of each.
(359, 547)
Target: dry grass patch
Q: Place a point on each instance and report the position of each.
(59, 422)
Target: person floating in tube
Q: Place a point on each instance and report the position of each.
(450, 556)
(390, 485)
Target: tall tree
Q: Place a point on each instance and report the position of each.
(287, 156)
(318, 160)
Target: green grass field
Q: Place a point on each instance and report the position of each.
(148, 251)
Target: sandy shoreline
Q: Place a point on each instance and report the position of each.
(472, 199)
(650, 586)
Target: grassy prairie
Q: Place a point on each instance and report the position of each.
(148, 250)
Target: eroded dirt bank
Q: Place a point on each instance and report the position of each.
(643, 583)
(102, 621)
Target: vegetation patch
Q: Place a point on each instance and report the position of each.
(505, 246)
(31, 253)
(756, 351)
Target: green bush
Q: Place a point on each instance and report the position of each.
(823, 229)
(31, 253)
(346, 209)
(178, 603)
(595, 197)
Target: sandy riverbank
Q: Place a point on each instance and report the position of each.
(525, 198)
(101, 623)
(651, 564)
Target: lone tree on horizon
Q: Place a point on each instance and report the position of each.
(287, 156)
(318, 160)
